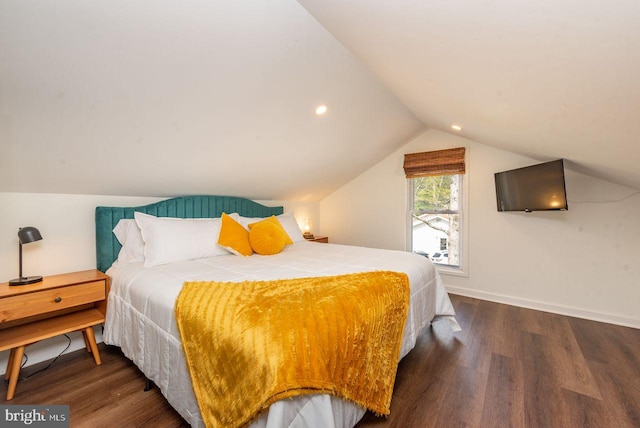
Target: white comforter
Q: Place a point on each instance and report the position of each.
(140, 318)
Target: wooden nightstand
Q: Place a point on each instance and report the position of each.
(57, 305)
(323, 239)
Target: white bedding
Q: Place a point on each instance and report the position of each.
(140, 318)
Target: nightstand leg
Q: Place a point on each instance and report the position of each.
(91, 338)
(12, 354)
(15, 370)
(86, 341)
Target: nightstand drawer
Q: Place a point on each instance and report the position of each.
(29, 304)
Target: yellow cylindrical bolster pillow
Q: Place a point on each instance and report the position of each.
(266, 238)
(276, 222)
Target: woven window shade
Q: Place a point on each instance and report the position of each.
(439, 162)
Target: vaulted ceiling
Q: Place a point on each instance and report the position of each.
(547, 79)
(128, 98)
(171, 97)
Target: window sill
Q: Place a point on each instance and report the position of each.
(453, 271)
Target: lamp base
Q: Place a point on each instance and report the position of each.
(25, 280)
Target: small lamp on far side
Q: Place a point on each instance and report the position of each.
(26, 235)
(307, 233)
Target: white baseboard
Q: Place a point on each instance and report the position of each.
(546, 307)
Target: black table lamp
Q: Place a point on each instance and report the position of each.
(25, 236)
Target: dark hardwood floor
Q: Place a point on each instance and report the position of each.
(509, 367)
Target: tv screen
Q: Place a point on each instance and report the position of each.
(532, 188)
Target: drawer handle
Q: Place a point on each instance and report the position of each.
(58, 299)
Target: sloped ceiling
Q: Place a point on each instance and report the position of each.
(128, 98)
(176, 97)
(546, 79)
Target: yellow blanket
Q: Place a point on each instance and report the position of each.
(250, 344)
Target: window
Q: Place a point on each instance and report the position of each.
(435, 212)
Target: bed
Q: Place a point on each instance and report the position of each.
(140, 313)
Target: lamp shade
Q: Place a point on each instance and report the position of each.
(29, 234)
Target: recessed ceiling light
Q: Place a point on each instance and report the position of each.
(456, 127)
(321, 109)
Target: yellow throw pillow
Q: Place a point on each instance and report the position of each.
(266, 239)
(273, 219)
(234, 237)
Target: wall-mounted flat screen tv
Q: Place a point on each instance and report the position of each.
(533, 188)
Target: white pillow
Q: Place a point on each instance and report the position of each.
(168, 239)
(287, 220)
(128, 234)
(290, 225)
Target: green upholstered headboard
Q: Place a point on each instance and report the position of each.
(108, 247)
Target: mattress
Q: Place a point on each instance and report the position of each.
(140, 318)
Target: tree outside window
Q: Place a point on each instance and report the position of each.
(436, 218)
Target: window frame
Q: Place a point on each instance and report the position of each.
(462, 269)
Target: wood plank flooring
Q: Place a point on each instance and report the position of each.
(509, 367)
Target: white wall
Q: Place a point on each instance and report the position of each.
(581, 262)
(67, 225)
